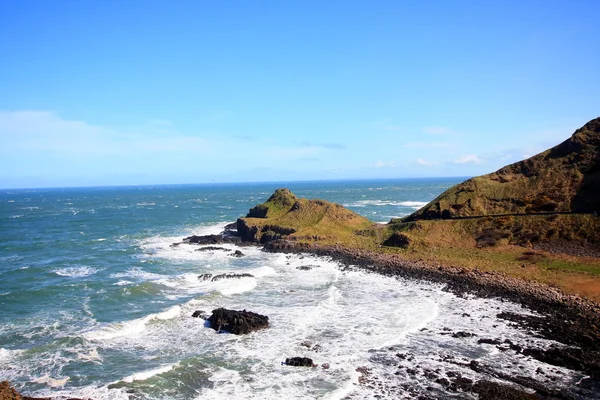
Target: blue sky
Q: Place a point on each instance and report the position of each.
(149, 92)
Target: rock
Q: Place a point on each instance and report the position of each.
(307, 267)
(7, 392)
(306, 343)
(495, 391)
(200, 314)
(211, 239)
(237, 322)
(237, 254)
(175, 245)
(325, 366)
(299, 362)
(490, 341)
(212, 248)
(204, 277)
(231, 276)
(462, 334)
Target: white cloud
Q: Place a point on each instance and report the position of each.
(385, 164)
(468, 159)
(437, 130)
(43, 131)
(425, 163)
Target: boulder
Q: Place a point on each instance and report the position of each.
(299, 362)
(237, 322)
(237, 254)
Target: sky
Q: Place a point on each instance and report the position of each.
(134, 92)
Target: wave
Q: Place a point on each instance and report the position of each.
(142, 376)
(130, 328)
(76, 272)
(365, 203)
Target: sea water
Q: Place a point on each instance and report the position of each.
(95, 302)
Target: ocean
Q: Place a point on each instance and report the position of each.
(95, 303)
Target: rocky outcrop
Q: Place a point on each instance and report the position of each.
(299, 362)
(237, 322)
(212, 239)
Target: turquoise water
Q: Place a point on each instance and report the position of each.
(94, 301)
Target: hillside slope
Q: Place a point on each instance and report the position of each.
(285, 216)
(565, 178)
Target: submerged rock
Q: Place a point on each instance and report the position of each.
(237, 254)
(237, 322)
(299, 362)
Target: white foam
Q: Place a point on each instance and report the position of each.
(130, 328)
(365, 203)
(138, 273)
(76, 272)
(52, 382)
(142, 376)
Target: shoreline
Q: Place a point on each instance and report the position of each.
(570, 320)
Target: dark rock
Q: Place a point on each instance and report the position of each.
(231, 276)
(175, 245)
(237, 254)
(490, 341)
(211, 239)
(495, 391)
(398, 239)
(204, 277)
(325, 366)
(200, 314)
(307, 267)
(299, 362)
(462, 334)
(237, 322)
(212, 248)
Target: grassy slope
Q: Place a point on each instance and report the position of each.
(564, 178)
(313, 220)
(452, 242)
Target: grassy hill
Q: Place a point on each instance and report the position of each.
(565, 178)
(285, 216)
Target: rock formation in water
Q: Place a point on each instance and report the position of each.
(237, 322)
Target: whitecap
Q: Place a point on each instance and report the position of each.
(130, 328)
(142, 376)
(52, 382)
(76, 272)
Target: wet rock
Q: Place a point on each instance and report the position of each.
(462, 334)
(233, 275)
(299, 362)
(204, 277)
(200, 314)
(212, 239)
(237, 254)
(495, 391)
(325, 366)
(306, 267)
(489, 341)
(212, 248)
(175, 245)
(237, 322)
(307, 343)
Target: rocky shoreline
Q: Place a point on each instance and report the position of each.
(570, 320)
(567, 319)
